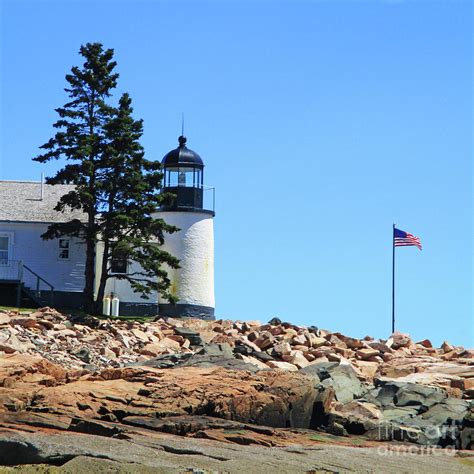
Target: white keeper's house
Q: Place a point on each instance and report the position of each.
(41, 272)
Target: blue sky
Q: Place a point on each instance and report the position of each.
(320, 124)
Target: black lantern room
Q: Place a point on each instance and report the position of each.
(184, 178)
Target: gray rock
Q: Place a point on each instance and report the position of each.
(416, 394)
(170, 454)
(399, 413)
(166, 361)
(321, 369)
(345, 383)
(193, 336)
(216, 350)
(467, 433)
(242, 349)
(450, 409)
(226, 363)
(391, 393)
(385, 395)
(83, 354)
(355, 425)
(342, 378)
(263, 356)
(183, 425)
(380, 431)
(275, 321)
(337, 429)
(440, 425)
(211, 355)
(467, 438)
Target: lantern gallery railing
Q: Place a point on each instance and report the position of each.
(191, 198)
(209, 198)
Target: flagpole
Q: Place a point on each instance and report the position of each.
(393, 279)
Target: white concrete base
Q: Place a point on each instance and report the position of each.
(193, 245)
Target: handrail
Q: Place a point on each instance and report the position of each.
(39, 277)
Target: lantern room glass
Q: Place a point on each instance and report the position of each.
(183, 176)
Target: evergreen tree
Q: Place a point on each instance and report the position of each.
(115, 186)
(129, 196)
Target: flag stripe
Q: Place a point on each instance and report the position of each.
(404, 239)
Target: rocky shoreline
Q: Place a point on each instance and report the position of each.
(211, 385)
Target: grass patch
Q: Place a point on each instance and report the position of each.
(82, 314)
(79, 314)
(237, 432)
(14, 308)
(329, 438)
(139, 319)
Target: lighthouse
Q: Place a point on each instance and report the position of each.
(193, 283)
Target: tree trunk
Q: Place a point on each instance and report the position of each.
(90, 266)
(103, 277)
(91, 237)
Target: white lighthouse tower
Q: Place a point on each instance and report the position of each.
(193, 244)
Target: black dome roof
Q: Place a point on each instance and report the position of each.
(182, 156)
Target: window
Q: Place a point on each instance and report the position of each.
(119, 265)
(63, 249)
(183, 177)
(4, 248)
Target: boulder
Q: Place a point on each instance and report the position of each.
(281, 349)
(313, 330)
(342, 378)
(414, 394)
(318, 342)
(297, 358)
(425, 343)
(252, 346)
(360, 409)
(447, 347)
(4, 318)
(320, 369)
(164, 361)
(398, 340)
(140, 335)
(399, 414)
(466, 440)
(83, 354)
(276, 364)
(380, 346)
(263, 356)
(265, 341)
(193, 336)
(254, 361)
(216, 350)
(299, 340)
(9, 343)
(367, 369)
(449, 409)
(353, 343)
(275, 321)
(367, 353)
(345, 383)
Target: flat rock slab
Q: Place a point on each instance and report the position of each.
(78, 453)
(267, 398)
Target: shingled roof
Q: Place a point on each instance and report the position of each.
(20, 201)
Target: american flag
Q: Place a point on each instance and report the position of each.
(404, 239)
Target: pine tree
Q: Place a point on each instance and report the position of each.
(115, 186)
(129, 196)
